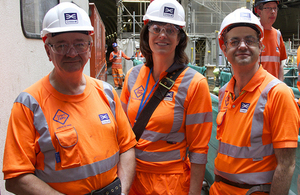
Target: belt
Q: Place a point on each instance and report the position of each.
(114, 188)
(254, 188)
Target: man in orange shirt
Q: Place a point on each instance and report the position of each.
(258, 118)
(273, 51)
(68, 133)
(116, 68)
(298, 64)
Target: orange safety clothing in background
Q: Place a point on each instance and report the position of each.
(182, 121)
(72, 153)
(139, 56)
(273, 51)
(117, 62)
(250, 127)
(298, 64)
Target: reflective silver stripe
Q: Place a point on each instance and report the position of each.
(155, 136)
(132, 79)
(39, 122)
(248, 178)
(299, 78)
(77, 173)
(49, 174)
(117, 63)
(278, 37)
(270, 59)
(221, 94)
(157, 156)
(257, 150)
(110, 96)
(198, 158)
(198, 118)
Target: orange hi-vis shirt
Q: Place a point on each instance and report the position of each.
(273, 51)
(71, 142)
(117, 62)
(139, 56)
(182, 119)
(264, 116)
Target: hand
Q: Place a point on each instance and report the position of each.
(132, 58)
(114, 56)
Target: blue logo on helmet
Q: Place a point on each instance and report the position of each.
(71, 18)
(169, 11)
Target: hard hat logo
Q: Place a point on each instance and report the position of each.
(71, 18)
(169, 12)
(245, 16)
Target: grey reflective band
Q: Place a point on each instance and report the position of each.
(299, 78)
(278, 37)
(49, 174)
(132, 79)
(255, 178)
(198, 158)
(270, 59)
(199, 118)
(257, 150)
(110, 96)
(157, 156)
(221, 95)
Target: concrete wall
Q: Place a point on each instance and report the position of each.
(23, 61)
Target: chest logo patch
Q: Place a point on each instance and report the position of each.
(139, 91)
(60, 117)
(244, 107)
(169, 96)
(104, 118)
(277, 49)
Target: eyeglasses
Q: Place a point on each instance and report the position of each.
(249, 41)
(270, 9)
(63, 48)
(170, 29)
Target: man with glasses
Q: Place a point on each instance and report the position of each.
(258, 118)
(68, 133)
(273, 53)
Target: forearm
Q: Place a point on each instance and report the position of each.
(284, 172)
(197, 176)
(29, 184)
(281, 73)
(126, 169)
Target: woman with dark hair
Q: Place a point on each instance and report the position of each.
(172, 150)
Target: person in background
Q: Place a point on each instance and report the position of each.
(273, 53)
(298, 65)
(117, 68)
(258, 118)
(171, 153)
(106, 73)
(68, 133)
(138, 54)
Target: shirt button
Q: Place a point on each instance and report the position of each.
(233, 106)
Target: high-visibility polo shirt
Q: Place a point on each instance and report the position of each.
(273, 51)
(182, 119)
(117, 62)
(252, 125)
(71, 142)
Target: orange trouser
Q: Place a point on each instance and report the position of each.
(118, 76)
(220, 188)
(160, 184)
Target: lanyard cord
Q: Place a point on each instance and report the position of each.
(142, 104)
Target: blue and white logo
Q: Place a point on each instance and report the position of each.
(244, 107)
(60, 117)
(104, 118)
(71, 18)
(169, 11)
(245, 16)
(169, 96)
(277, 49)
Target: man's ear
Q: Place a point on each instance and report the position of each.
(223, 47)
(261, 47)
(47, 48)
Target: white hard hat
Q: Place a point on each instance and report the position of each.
(167, 11)
(137, 45)
(66, 17)
(240, 17)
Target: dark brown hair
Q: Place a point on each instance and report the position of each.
(180, 55)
